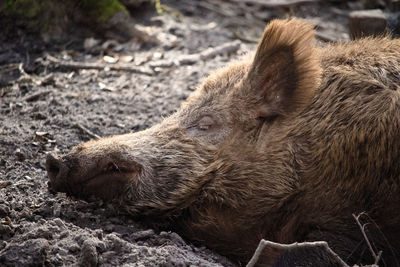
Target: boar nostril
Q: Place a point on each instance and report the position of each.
(56, 169)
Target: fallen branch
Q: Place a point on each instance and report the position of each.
(226, 48)
(377, 257)
(209, 53)
(99, 66)
(317, 244)
(86, 130)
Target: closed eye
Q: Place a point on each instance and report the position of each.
(208, 128)
(205, 123)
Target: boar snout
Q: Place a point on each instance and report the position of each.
(103, 178)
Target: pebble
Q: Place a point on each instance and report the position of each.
(21, 156)
(89, 256)
(143, 234)
(4, 210)
(59, 222)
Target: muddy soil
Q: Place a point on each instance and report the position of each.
(48, 106)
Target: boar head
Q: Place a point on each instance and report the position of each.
(225, 146)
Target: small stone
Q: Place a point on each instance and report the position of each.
(143, 234)
(57, 210)
(64, 234)
(109, 228)
(38, 133)
(177, 239)
(89, 256)
(4, 184)
(5, 229)
(59, 222)
(3, 244)
(158, 55)
(3, 162)
(126, 58)
(21, 156)
(367, 23)
(189, 59)
(89, 43)
(4, 210)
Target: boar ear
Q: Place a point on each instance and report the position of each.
(285, 71)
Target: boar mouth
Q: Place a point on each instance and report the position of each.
(107, 184)
(111, 174)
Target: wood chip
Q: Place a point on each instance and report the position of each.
(109, 59)
(41, 133)
(4, 184)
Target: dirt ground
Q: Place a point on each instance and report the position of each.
(47, 105)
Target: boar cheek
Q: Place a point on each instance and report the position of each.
(108, 186)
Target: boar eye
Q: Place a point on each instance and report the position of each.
(205, 123)
(207, 128)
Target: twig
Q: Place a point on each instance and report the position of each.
(226, 48)
(243, 38)
(98, 66)
(384, 238)
(25, 77)
(209, 53)
(377, 257)
(277, 4)
(10, 67)
(37, 95)
(87, 131)
(264, 243)
(22, 71)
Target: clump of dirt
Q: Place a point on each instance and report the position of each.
(49, 104)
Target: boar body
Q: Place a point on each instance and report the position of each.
(286, 146)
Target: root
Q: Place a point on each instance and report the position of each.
(317, 244)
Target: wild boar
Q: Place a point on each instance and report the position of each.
(284, 146)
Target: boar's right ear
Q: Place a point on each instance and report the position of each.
(286, 70)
